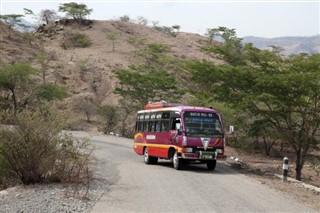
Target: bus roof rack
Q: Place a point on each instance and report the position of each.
(160, 104)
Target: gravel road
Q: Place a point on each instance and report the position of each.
(126, 184)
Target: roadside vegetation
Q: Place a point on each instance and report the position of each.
(33, 146)
(273, 100)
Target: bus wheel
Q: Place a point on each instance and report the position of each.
(177, 162)
(211, 165)
(148, 159)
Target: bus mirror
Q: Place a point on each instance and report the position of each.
(231, 129)
(178, 125)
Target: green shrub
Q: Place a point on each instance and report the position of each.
(4, 172)
(34, 147)
(75, 40)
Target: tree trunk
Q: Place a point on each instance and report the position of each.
(15, 105)
(44, 77)
(299, 165)
(88, 117)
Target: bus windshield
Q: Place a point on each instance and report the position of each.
(202, 124)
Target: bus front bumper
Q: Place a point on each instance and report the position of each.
(203, 155)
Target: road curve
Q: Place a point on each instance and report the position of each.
(136, 187)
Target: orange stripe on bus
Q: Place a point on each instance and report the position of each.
(138, 135)
(156, 145)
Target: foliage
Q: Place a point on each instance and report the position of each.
(30, 146)
(230, 49)
(50, 92)
(154, 54)
(4, 172)
(113, 38)
(12, 20)
(124, 18)
(35, 149)
(166, 30)
(75, 40)
(127, 109)
(75, 163)
(20, 88)
(43, 59)
(142, 84)
(136, 42)
(75, 10)
(28, 37)
(87, 106)
(176, 27)
(109, 115)
(83, 65)
(281, 93)
(15, 77)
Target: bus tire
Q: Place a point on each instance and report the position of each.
(177, 162)
(211, 165)
(149, 159)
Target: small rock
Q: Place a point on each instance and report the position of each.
(4, 192)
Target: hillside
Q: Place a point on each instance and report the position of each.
(291, 45)
(88, 72)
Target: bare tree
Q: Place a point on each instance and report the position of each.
(141, 20)
(48, 16)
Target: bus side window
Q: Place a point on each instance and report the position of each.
(151, 126)
(145, 126)
(140, 126)
(136, 128)
(164, 125)
(157, 126)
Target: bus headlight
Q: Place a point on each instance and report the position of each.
(219, 151)
(184, 141)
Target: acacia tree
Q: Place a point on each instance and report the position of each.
(154, 54)
(12, 20)
(77, 11)
(176, 27)
(113, 38)
(283, 93)
(16, 80)
(142, 84)
(43, 59)
(16, 77)
(136, 42)
(230, 47)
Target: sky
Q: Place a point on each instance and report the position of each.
(263, 18)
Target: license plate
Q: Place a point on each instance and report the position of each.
(207, 155)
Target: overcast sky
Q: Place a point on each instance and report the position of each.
(265, 18)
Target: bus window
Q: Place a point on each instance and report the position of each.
(140, 126)
(164, 125)
(151, 126)
(157, 126)
(203, 124)
(145, 126)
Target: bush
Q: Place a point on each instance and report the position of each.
(75, 40)
(4, 172)
(109, 115)
(34, 147)
(166, 30)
